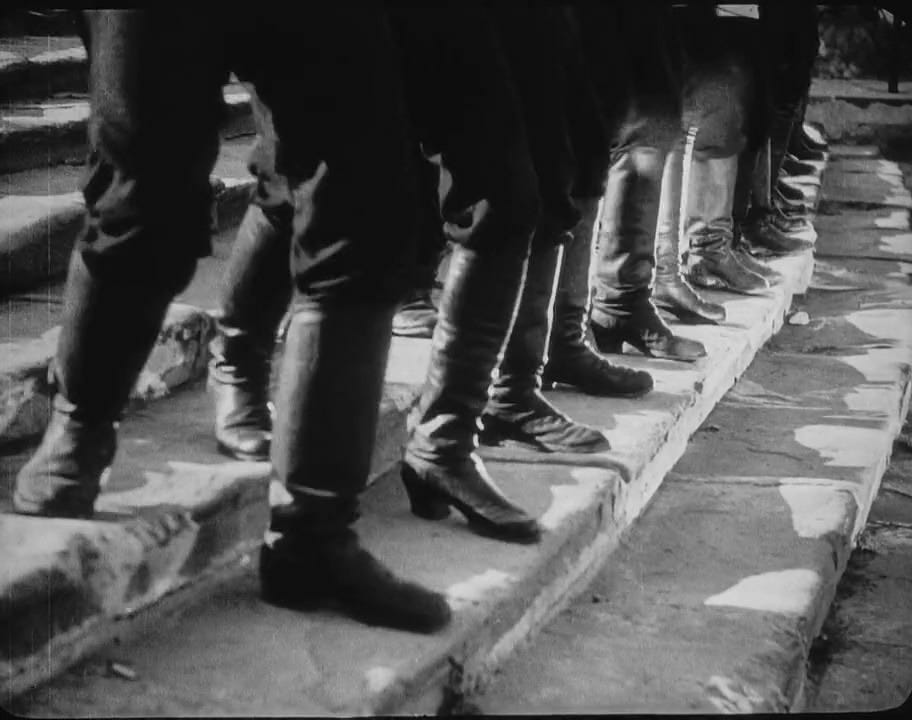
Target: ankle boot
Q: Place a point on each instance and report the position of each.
(417, 316)
(328, 404)
(672, 292)
(711, 261)
(644, 330)
(109, 327)
(760, 232)
(744, 252)
(257, 291)
(440, 467)
(622, 310)
(571, 358)
(517, 412)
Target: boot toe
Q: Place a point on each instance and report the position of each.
(336, 572)
(246, 444)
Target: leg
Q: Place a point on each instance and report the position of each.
(672, 292)
(132, 257)
(417, 316)
(257, 292)
(571, 359)
(352, 259)
(517, 412)
(622, 309)
(490, 209)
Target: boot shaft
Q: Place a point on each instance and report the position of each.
(710, 199)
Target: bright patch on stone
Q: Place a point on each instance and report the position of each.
(817, 511)
(897, 244)
(783, 591)
(379, 678)
(476, 588)
(896, 220)
(569, 499)
(891, 323)
(841, 446)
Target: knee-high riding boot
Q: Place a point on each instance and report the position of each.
(326, 421)
(257, 291)
(441, 468)
(672, 292)
(110, 325)
(622, 309)
(517, 412)
(571, 359)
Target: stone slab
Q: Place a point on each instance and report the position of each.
(712, 600)
(172, 511)
(36, 67)
(502, 594)
(53, 131)
(179, 356)
(41, 215)
(867, 189)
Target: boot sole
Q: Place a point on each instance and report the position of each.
(553, 385)
(688, 317)
(238, 455)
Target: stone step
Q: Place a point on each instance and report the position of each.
(52, 131)
(34, 67)
(860, 110)
(717, 593)
(41, 213)
(175, 513)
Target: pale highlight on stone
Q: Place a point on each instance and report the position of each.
(477, 587)
(896, 244)
(889, 323)
(854, 447)
(379, 678)
(896, 220)
(569, 499)
(817, 511)
(782, 591)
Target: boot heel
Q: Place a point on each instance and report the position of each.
(426, 502)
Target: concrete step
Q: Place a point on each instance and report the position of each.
(189, 514)
(860, 110)
(713, 600)
(51, 131)
(34, 67)
(180, 513)
(41, 214)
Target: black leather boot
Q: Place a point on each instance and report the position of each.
(517, 412)
(328, 404)
(111, 322)
(418, 314)
(571, 359)
(753, 195)
(622, 309)
(760, 231)
(644, 330)
(711, 260)
(672, 292)
(441, 468)
(257, 291)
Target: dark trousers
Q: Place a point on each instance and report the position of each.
(632, 54)
(153, 136)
